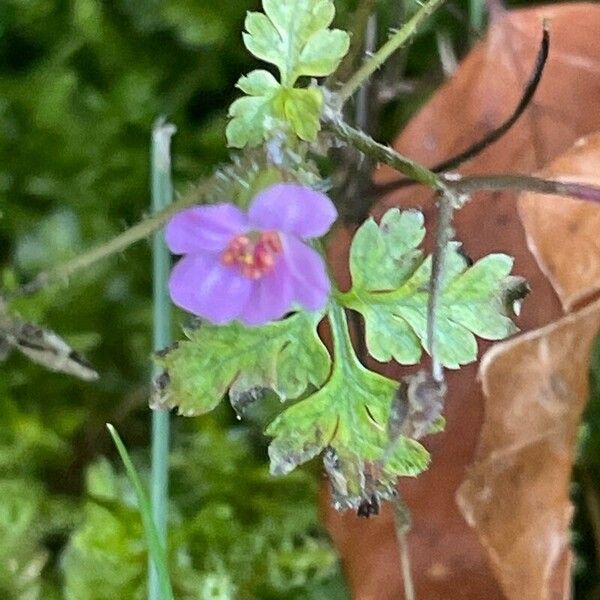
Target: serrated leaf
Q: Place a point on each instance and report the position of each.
(349, 417)
(268, 106)
(286, 356)
(293, 36)
(390, 289)
(390, 249)
(250, 113)
(302, 108)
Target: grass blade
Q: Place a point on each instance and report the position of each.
(155, 547)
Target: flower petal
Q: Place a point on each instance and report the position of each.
(293, 208)
(271, 297)
(204, 228)
(200, 284)
(307, 268)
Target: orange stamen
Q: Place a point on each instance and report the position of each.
(254, 254)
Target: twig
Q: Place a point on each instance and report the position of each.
(492, 137)
(357, 36)
(443, 236)
(521, 183)
(401, 37)
(455, 184)
(402, 527)
(140, 231)
(367, 145)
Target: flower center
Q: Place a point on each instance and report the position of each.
(254, 253)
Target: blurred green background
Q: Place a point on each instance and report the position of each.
(81, 83)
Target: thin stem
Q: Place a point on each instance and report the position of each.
(62, 273)
(396, 41)
(362, 100)
(367, 145)
(342, 343)
(443, 236)
(402, 527)
(357, 35)
(162, 197)
(455, 185)
(521, 183)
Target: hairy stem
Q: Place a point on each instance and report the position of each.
(443, 237)
(396, 41)
(454, 184)
(62, 273)
(368, 146)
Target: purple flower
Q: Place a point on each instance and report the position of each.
(254, 266)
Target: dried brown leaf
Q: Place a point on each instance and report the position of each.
(448, 558)
(564, 234)
(517, 493)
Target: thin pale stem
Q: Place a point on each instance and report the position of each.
(443, 237)
(396, 41)
(402, 527)
(62, 273)
(521, 183)
(357, 33)
(162, 197)
(455, 183)
(342, 343)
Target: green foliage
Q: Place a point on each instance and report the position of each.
(22, 556)
(390, 289)
(82, 83)
(349, 416)
(294, 36)
(235, 532)
(156, 550)
(285, 356)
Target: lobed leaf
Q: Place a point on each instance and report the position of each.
(390, 289)
(285, 356)
(294, 36)
(348, 418)
(269, 106)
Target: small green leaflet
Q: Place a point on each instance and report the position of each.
(294, 36)
(267, 106)
(348, 417)
(390, 289)
(285, 356)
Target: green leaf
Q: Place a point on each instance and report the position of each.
(302, 108)
(293, 35)
(390, 288)
(285, 356)
(269, 106)
(348, 417)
